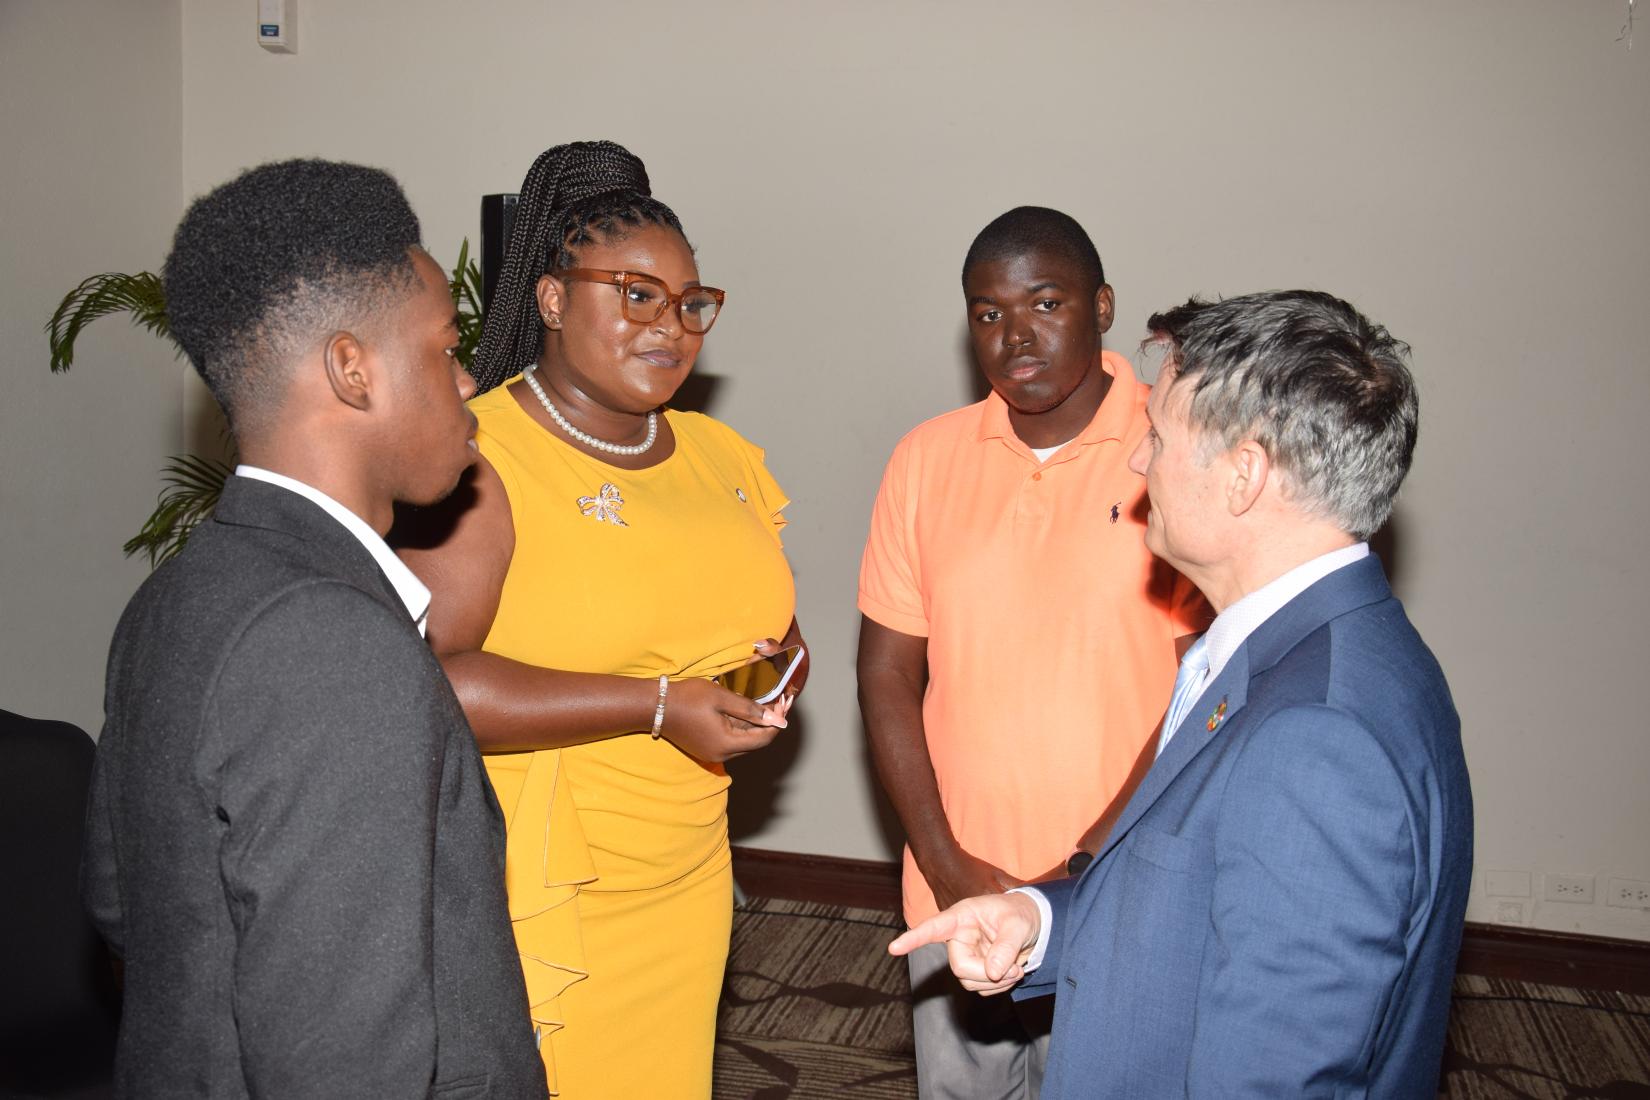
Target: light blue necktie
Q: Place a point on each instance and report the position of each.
(1188, 685)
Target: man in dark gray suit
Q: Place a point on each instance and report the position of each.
(291, 840)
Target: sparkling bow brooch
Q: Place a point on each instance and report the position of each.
(604, 506)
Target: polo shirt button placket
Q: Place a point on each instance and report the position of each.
(1032, 507)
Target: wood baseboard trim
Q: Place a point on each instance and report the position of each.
(1555, 958)
(1487, 950)
(832, 880)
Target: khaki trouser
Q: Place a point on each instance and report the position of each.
(971, 1047)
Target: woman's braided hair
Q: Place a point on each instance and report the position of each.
(574, 194)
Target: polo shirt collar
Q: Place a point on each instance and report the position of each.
(1111, 420)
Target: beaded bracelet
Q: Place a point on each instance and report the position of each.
(659, 711)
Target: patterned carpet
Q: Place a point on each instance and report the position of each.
(814, 1007)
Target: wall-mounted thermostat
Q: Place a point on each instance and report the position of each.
(276, 32)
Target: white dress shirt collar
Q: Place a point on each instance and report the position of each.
(408, 587)
(1232, 626)
(1229, 630)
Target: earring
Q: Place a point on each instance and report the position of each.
(552, 320)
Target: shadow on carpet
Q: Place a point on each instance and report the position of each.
(814, 1007)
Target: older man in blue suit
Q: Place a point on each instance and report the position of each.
(1277, 911)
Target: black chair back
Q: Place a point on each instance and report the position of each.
(58, 1005)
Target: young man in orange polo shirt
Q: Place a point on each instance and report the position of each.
(1019, 642)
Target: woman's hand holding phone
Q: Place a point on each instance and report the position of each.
(711, 723)
(793, 637)
(770, 674)
(716, 720)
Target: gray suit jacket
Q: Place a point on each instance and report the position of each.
(290, 839)
(1278, 909)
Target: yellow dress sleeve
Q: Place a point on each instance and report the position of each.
(769, 497)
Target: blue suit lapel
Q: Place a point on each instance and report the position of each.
(1357, 585)
(1230, 688)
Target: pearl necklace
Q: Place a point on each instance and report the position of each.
(584, 437)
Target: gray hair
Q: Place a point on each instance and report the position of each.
(1320, 386)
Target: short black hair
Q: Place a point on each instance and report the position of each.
(263, 266)
(574, 194)
(1037, 229)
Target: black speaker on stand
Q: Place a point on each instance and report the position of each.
(498, 215)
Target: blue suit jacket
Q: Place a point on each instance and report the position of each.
(1277, 911)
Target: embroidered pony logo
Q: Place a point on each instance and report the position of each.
(1114, 511)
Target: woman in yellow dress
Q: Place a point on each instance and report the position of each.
(606, 559)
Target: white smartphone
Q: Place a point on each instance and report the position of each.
(763, 679)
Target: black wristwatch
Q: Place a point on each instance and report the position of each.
(1079, 861)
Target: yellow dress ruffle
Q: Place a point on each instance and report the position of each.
(544, 869)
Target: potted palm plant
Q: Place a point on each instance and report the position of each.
(190, 483)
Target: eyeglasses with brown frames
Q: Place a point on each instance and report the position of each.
(642, 298)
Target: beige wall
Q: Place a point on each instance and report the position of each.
(1471, 174)
(91, 133)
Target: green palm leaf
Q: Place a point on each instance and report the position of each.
(193, 485)
(141, 295)
(465, 285)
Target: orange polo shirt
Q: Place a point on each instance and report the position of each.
(1050, 626)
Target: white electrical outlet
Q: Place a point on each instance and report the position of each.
(1628, 894)
(1572, 888)
(1509, 912)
